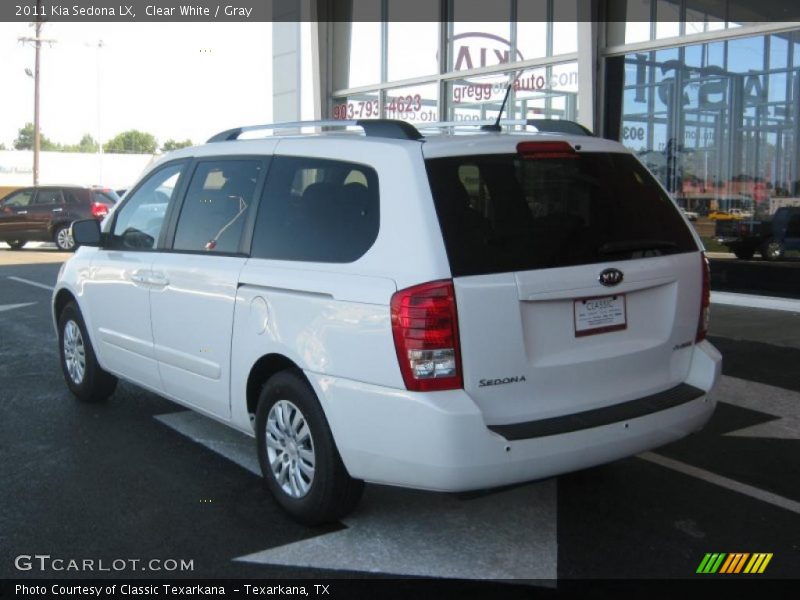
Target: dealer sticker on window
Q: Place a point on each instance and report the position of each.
(600, 315)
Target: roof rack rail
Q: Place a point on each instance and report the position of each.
(542, 125)
(383, 128)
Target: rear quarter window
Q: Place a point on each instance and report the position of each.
(502, 213)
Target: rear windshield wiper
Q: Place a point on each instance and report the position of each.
(635, 246)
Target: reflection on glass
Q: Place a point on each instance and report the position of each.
(720, 133)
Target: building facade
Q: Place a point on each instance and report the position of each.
(705, 92)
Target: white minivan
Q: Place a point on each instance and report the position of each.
(446, 312)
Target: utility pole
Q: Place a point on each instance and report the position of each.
(36, 41)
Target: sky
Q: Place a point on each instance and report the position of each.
(178, 81)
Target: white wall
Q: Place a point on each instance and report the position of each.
(111, 170)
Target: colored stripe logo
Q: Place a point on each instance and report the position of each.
(734, 563)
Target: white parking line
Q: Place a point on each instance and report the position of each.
(33, 283)
(506, 535)
(754, 301)
(4, 307)
(730, 484)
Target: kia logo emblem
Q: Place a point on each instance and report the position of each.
(611, 277)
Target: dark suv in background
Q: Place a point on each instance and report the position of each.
(45, 213)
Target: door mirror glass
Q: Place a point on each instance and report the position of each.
(86, 232)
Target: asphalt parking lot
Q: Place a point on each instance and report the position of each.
(142, 478)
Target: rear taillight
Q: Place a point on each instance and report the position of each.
(705, 300)
(425, 330)
(99, 210)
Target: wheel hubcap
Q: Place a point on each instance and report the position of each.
(290, 449)
(774, 250)
(64, 239)
(74, 352)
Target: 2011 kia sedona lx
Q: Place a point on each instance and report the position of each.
(450, 312)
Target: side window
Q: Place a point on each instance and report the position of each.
(214, 212)
(48, 198)
(138, 223)
(72, 197)
(19, 200)
(317, 210)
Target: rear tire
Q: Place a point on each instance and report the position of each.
(82, 373)
(772, 250)
(15, 244)
(63, 239)
(298, 455)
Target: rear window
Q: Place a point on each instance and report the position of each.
(107, 197)
(503, 212)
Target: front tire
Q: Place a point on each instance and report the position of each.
(298, 455)
(84, 377)
(63, 239)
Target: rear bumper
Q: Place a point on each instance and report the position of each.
(439, 441)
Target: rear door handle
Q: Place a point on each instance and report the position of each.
(58, 210)
(22, 212)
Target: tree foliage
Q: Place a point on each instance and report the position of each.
(132, 142)
(171, 145)
(127, 142)
(24, 139)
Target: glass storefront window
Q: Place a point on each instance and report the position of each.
(718, 122)
(565, 27)
(477, 98)
(357, 106)
(531, 30)
(365, 63)
(415, 104)
(542, 92)
(629, 21)
(668, 17)
(412, 50)
(475, 45)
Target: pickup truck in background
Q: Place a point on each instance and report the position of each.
(771, 237)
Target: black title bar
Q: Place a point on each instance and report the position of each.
(150, 11)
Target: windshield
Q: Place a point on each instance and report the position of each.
(506, 212)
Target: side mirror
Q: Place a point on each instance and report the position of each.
(86, 232)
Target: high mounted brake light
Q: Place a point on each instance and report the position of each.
(425, 330)
(546, 150)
